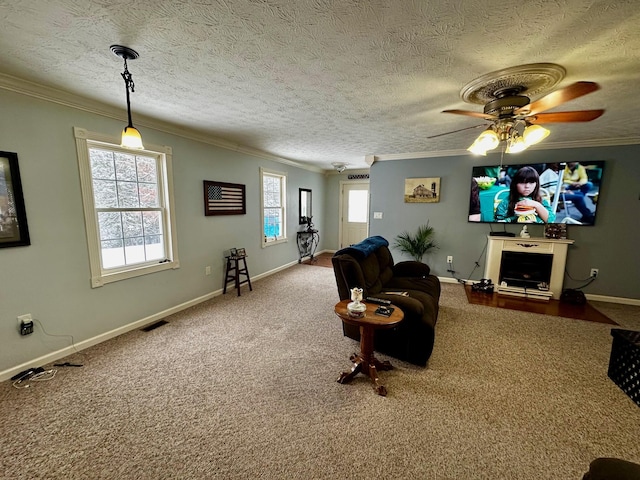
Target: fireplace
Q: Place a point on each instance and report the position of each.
(527, 270)
(521, 266)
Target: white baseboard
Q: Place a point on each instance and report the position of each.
(590, 296)
(103, 337)
(606, 298)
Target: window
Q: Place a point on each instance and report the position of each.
(274, 188)
(128, 207)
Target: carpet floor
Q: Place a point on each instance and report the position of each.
(245, 387)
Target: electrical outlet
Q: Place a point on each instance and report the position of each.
(26, 324)
(207, 270)
(449, 258)
(594, 272)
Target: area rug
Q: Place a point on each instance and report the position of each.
(551, 307)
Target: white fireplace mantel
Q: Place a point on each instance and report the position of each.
(555, 247)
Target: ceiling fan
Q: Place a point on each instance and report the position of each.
(505, 95)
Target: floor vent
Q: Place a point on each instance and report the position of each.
(153, 326)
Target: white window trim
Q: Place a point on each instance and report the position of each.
(100, 277)
(283, 239)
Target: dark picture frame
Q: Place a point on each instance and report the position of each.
(304, 205)
(221, 198)
(14, 231)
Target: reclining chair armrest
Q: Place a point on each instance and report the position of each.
(411, 268)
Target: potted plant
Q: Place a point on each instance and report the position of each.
(416, 245)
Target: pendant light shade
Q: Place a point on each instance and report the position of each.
(131, 137)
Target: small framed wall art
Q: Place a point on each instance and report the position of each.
(222, 198)
(422, 190)
(13, 217)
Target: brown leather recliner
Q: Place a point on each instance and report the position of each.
(369, 265)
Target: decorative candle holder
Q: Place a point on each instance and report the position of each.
(356, 308)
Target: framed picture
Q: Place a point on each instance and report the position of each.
(241, 252)
(222, 198)
(422, 190)
(13, 217)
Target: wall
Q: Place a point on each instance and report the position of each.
(50, 278)
(610, 245)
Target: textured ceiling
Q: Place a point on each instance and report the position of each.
(322, 81)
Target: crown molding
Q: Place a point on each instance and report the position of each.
(68, 99)
(611, 142)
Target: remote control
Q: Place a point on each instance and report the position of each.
(379, 301)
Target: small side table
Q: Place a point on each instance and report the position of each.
(365, 362)
(308, 241)
(233, 272)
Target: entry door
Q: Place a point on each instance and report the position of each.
(354, 224)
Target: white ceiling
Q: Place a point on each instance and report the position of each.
(322, 81)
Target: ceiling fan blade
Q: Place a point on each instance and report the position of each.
(558, 117)
(456, 131)
(472, 114)
(558, 97)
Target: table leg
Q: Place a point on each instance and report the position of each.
(366, 363)
(346, 377)
(377, 386)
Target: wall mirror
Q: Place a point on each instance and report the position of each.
(305, 205)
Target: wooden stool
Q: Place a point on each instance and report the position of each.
(234, 271)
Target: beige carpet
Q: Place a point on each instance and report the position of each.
(245, 387)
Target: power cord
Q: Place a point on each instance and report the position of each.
(34, 375)
(452, 271)
(477, 262)
(588, 280)
(73, 344)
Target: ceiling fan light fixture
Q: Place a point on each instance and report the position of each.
(516, 144)
(534, 134)
(487, 140)
(477, 149)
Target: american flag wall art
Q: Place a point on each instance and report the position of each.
(222, 198)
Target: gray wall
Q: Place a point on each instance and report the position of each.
(611, 245)
(50, 278)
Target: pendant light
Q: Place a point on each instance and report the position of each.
(131, 137)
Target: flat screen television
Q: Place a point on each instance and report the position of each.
(565, 192)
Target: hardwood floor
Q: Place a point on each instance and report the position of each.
(321, 260)
(551, 307)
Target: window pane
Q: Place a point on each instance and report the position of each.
(110, 225)
(147, 171)
(134, 250)
(125, 167)
(148, 193)
(102, 166)
(357, 206)
(112, 254)
(154, 247)
(272, 222)
(132, 224)
(152, 223)
(104, 193)
(128, 194)
(271, 188)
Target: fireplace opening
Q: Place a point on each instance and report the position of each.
(526, 270)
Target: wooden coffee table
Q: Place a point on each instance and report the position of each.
(365, 362)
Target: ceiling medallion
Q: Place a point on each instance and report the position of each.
(530, 80)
